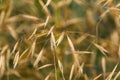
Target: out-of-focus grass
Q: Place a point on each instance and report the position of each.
(59, 40)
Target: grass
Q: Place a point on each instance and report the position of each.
(59, 40)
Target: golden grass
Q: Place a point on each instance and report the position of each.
(59, 39)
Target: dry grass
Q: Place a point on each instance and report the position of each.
(59, 40)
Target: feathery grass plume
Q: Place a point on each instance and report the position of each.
(112, 73)
(38, 58)
(16, 59)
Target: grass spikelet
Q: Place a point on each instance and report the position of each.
(38, 58)
(16, 59)
(45, 66)
(15, 47)
(30, 17)
(61, 69)
(51, 29)
(60, 38)
(52, 41)
(75, 56)
(12, 32)
(46, 22)
(104, 51)
(24, 54)
(32, 50)
(71, 44)
(34, 32)
(41, 35)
